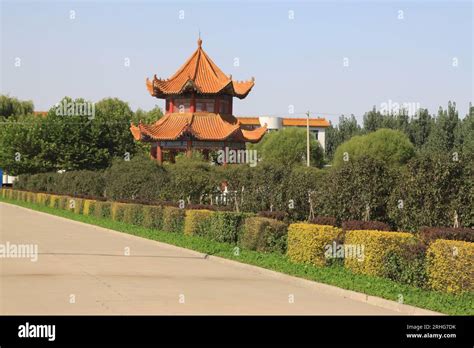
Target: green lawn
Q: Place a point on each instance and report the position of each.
(334, 275)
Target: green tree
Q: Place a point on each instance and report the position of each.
(288, 147)
(442, 137)
(390, 146)
(336, 135)
(10, 106)
(420, 128)
(373, 120)
(32, 144)
(147, 117)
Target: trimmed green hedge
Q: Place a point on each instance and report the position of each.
(197, 222)
(133, 214)
(264, 234)
(173, 219)
(152, 216)
(102, 209)
(226, 226)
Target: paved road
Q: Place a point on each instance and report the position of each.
(86, 265)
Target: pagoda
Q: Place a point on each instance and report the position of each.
(198, 116)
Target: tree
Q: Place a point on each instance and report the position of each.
(32, 144)
(420, 128)
(147, 117)
(373, 120)
(387, 145)
(10, 106)
(288, 147)
(442, 136)
(336, 135)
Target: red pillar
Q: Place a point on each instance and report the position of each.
(159, 154)
(217, 105)
(171, 105)
(153, 151)
(193, 103)
(189, 149)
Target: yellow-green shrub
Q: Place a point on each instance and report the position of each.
(89, 206)
(118, 211)
(196, 222)
(64, 202)
(133, 214)
(376, 246)
(264, 234)
(40, 198)
(173, 219)
(31, 197)
(78, 205)
(450, 266)
(307, 242)
(152, 216)
(102, 209)
(54, 201)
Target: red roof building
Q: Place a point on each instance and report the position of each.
(198, 115)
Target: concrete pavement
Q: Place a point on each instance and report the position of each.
(84, 269)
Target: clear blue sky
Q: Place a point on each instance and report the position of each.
(295, 62)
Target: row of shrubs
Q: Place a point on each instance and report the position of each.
(440, 192)
(419, 259)
(415, 259)
(250, 231)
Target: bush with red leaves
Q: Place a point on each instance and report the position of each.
(353, 225)
(324, 220)
(277, 215)
(429, 234)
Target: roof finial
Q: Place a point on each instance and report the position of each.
(199, 39)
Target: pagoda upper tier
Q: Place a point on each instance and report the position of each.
(200, 75)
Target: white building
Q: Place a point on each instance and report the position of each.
(317, 126)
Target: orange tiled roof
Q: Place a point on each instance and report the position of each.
(313, 122)
(201, 125)
(249, 121)
(202, 75)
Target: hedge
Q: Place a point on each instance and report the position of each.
(377, 245)
(357, 225)
(307, 243)
(428, 234)
(152, 216)
(89, 207)
(118, 211)
(102, 209)
(197, 222)
(133, 214)
(264, 234)
(78, 205)
(408, 265)
(226, 226)
(450, 266)
(173, 219)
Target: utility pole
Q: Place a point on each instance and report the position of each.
(307, 139)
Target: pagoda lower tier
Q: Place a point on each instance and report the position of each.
(203, 131)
